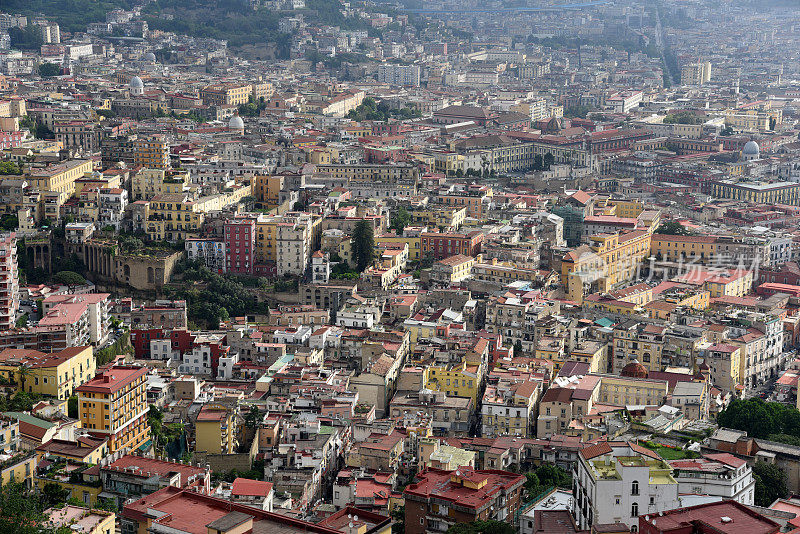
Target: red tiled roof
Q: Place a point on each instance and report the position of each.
(246, 486)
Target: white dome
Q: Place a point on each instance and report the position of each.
(236, 123)
(136, 83)
(751, 148)
(150, 57)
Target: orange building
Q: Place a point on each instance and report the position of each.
(113, 405)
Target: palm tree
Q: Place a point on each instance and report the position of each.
(24, 373)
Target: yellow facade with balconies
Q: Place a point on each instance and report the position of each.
(113, 404)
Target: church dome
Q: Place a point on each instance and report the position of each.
(751, 148)
(150, 57)
(236, 123)
(634, 370)
(136, 83)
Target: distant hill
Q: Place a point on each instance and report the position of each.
(232, 20)
(71, 15)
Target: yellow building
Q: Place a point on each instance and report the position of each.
(458, 379)
(215, 430)
(147, 183)
(267, 190)
(56, 374)
(412, 239)
(113, 405)
(221, 94)
(626, 208)
(635, 340)
(502, 272)
(432, 453)
(610, 260)
(724, 362)
(174, 217)
(698, 249)
(552, 349)
(267, 238)
(629, 391)
(19, 468)
(448, 218)
(452, 270)
(758, 192)
(594, 353)
(719, 283)
(59, 177)
(474, 200)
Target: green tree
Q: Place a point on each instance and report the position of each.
(19, 513)
(398, 515)
(252, 418)
(363, 244)
(672, 228)
(400, 220)
(24, 373)
(155, 418)
(47, 70)
(9, 168)
(548, 160)
(54, 494)
(770, 483)
(29, 38)
(69, 278)
(72, 407)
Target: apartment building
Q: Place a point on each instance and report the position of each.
(293, 243)
(94, 323)
(55, 374)
(215, 429)
(394, 74)
(113, 405)
(721, 475)
(441, 245)
(226, 94)
(9, 281)
(639, 341)
(616, 482)
(606, 262)
(440, 499)
(509, 406)
(240, 244)
(59, 177)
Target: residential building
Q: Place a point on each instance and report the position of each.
(113, 405)
(616, 482)
(57, 374)
(721, 475)
(439, 499)
(215, 430)
(9, 281)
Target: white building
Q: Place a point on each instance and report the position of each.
(356, 317)
(293, 244)
(616, 482)
(9, 283)
(320, 268)
(161, 349)
(113, 201)
(720, 475)
(393, 74)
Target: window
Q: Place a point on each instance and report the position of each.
(635, 487)
(635, 510)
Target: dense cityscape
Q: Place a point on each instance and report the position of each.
(406, 267)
